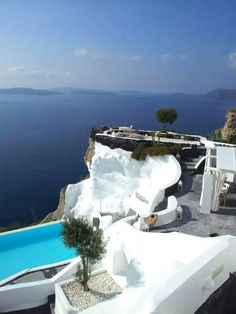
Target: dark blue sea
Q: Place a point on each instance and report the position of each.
(43, 140)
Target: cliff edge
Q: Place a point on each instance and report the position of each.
(89, 152)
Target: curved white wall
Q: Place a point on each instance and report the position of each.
(116, 182)
(169, 214)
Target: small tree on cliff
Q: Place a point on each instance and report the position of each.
(89, 244)
(166, 115)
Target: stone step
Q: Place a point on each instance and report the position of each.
(194, 160)
(188, 165)
(187, 168)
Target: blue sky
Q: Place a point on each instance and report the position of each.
(146, 45)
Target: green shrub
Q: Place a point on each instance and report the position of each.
(174, 149)
(139, 150)
(159, 150)
(93, 133)
(88, 243)
(143, 150)
(166, 116)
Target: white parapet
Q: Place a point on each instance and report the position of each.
(207, 193)
(32, 294)
(160, 273)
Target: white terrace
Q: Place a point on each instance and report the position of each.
(219, 175)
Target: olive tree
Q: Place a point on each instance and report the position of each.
(88, 243)
(166, 116)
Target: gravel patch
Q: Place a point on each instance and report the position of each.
(101, 288)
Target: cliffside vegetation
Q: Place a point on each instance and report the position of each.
(94, 131)
(143, 150)
(165, 116)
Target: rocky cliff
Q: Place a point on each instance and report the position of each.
(90, 152)
(58, 213)
(228, 132)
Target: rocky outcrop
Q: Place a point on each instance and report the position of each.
(59, 212)
(229, 129)
(90, 152)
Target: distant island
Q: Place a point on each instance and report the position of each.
(223, 93)
(55, 91)
(217, 94)
(77, 90)
(27, 91)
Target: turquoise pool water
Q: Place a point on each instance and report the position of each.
(31, 248)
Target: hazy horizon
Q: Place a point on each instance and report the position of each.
(78, 88)
(148, 46)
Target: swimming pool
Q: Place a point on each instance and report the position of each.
(32, 247)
